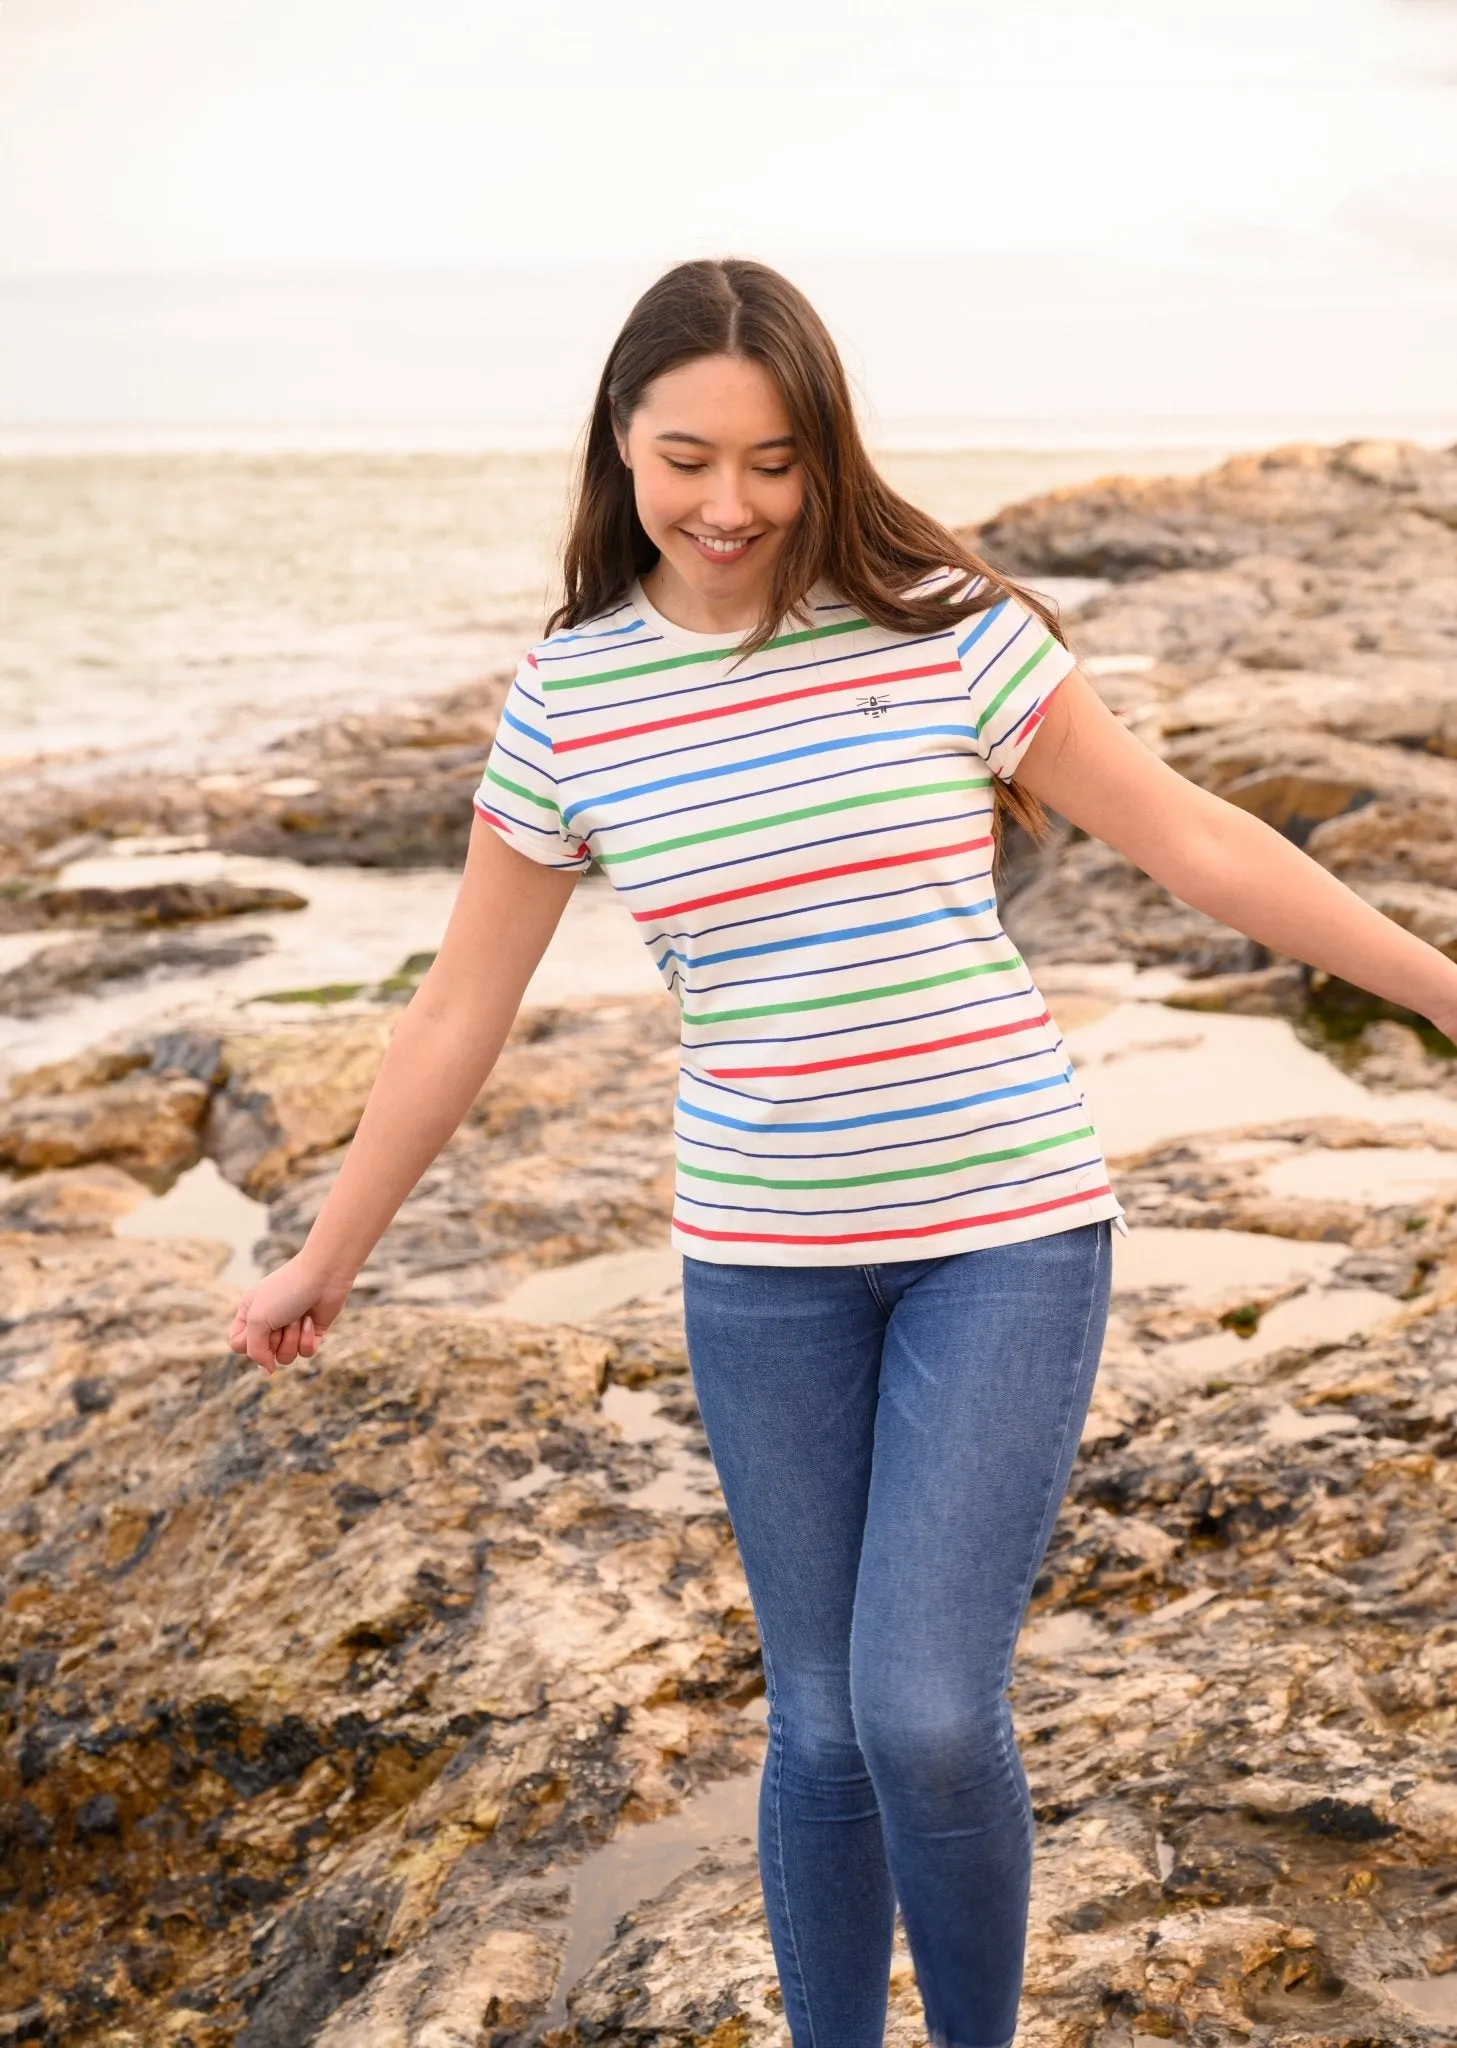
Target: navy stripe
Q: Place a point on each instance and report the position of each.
(982, 1187)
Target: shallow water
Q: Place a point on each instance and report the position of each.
(1151, 1074)
(1205, 1264)
(639, 1862)
(1317, 1316)
(1434, 1997)
(1364, 1173)
(200, 1203)
(358, 928)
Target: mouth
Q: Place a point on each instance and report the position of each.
(713, 549)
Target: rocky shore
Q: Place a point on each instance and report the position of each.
(324, 1699)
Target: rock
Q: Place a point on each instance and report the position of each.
(292, 1092)
(149, 903)
(1084, 902)
(1297, 501)
(150, 1124)
(73, 967)
(337, 1745)
(1279, 991)
(86, 1198)
(1393, 839)
(389, 790)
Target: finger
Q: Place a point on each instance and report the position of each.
(288, 1344)
(262, 1344)
(308, 1342)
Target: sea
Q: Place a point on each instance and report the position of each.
(171, 604)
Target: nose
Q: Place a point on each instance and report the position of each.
(725, 508)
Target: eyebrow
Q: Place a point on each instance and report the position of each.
(698, 441)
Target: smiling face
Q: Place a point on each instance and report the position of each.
(718, 486)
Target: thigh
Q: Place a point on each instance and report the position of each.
(987, 1370)
(786, 1364)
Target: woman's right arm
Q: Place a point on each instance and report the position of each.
(438, 1060)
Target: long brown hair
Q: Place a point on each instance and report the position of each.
(854, 533)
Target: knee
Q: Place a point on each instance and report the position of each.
(928, 1745)
(814, 1728)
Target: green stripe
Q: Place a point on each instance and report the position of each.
(1007, 688)
(517, 789)
(848, 803)
(654, 668)
(866, 1180)
(859, 995)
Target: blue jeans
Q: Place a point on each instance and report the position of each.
(893, 1442)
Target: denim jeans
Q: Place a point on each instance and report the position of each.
(893, 1442)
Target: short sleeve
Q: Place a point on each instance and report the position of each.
(1012, 664)
(518, 791)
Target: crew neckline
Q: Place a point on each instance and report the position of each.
(683, 634)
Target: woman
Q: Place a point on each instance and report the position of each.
(784, 711)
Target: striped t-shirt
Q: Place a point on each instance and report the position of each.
(804, 838)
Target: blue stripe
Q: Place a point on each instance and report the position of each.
(854, 931)
(976, 633)
(509, 717)
(837, 716)
(859, 739)
(880, 1116)
(823, 908)
(647, 640)
(952, 945)
(988, 666)
(800, 783)
(971, 1137)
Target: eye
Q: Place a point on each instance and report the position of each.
(683, 468)
(783, 470)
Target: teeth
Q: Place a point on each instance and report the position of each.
(722, 547)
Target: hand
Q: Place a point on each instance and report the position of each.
(284, 1316)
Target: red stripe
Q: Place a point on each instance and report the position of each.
(865, 1059)
(877, 1236)
(491, 817)
(632, 732)
(850, 867)
(533, 660)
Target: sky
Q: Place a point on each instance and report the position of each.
(1048, 209)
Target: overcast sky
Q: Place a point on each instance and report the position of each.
(1295, 155)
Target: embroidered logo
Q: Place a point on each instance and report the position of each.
(873, 706)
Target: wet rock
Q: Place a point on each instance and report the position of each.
(60, 972)
(147, 904)
(331, 1748)
(391, 790)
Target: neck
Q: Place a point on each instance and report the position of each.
(684, 606)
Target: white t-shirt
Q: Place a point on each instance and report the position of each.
(868, 1071)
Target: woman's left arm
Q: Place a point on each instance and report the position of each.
(1085, 765)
